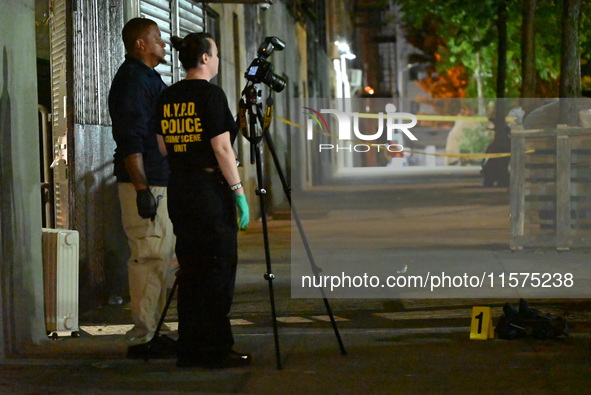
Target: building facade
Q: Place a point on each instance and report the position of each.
(74, 48)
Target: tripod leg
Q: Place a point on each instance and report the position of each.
(286, 188)
(254, 138)
(315, 268)
(168, 300)
(317, 271)
(269, 276)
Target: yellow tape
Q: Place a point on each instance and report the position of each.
(297, 125)
(423, 117)
(440, 118)
(471, 156)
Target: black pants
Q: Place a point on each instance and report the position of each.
(203, 213)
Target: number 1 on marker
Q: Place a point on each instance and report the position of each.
(481, 327)
(479, 317)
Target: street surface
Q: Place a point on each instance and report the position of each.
(394, 345)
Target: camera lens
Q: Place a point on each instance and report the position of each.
(277, 83)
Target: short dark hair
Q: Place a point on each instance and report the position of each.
(135, 28)
(191, 48)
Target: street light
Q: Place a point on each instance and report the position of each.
(342, 46)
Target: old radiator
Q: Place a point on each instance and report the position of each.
(60, 279)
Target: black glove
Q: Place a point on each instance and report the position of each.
(146, 204)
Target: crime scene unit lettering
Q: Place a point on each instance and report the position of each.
(181, 125)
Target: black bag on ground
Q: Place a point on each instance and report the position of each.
(514, 324)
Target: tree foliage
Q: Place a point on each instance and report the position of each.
(464, 28)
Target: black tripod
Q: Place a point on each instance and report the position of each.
(251, 105)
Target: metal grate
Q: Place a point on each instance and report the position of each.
(174, 18)
(160, 12)
(59, 91)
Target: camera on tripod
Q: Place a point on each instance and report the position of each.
(261, 70)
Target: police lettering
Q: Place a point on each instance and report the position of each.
(180, 110)
(181, 126)
(190, 138)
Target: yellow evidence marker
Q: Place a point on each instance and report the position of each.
(481, 327)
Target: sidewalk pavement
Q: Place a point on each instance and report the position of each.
(379, 361)
(414, 346)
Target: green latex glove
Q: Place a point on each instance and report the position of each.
(243, 212)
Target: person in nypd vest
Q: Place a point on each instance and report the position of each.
(197, 131)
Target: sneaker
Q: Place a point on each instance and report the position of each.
(139, 335)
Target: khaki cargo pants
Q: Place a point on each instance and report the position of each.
(152, 251)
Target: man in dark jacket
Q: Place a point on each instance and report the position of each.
(142, 173)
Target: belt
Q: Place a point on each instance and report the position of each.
(210, 169)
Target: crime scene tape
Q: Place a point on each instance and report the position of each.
(440, 118)
(287, 121)
(431, 118)
(471, 156)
